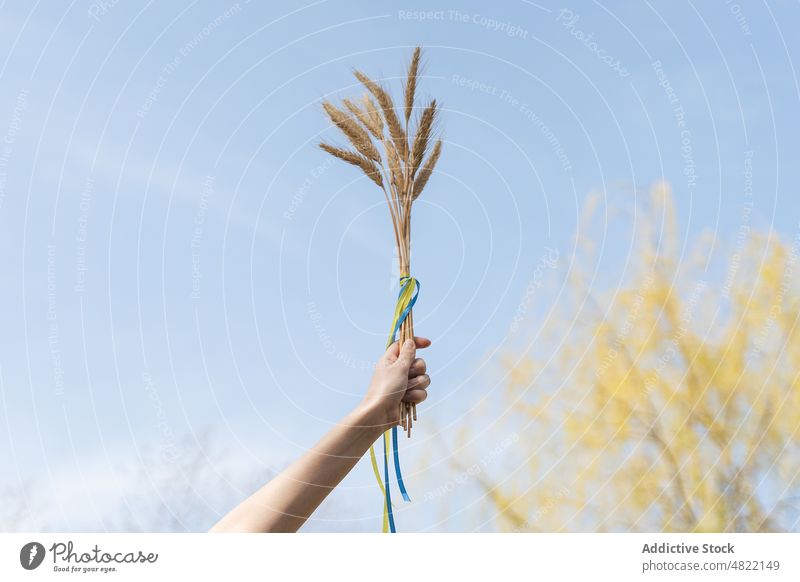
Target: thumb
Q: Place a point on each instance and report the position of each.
(407, 353)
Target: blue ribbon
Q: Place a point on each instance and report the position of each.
(397, 472)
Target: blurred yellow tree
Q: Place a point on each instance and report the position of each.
(668, 402)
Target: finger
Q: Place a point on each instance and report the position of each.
(393, 351)
(422, 342)
(390, 356)
(418, 367)
(407, 354)
(415, 396)
(419, 383)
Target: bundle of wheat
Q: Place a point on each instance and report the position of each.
(380, 135)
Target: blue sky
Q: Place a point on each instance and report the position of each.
(180, 257)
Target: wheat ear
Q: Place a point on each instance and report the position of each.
(427, 169)
(354, 132)
(389, 114)
(368, 166)
(411, 83)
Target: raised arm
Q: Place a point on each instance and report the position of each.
(286, 502)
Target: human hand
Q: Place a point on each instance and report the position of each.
(399, 376)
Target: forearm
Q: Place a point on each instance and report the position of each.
(284, 504)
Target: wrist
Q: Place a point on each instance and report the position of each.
(373, 415)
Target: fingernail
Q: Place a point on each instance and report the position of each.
(409, 343)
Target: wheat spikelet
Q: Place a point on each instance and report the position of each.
(357, 112)
(411, 83)
(374, 116)
(354, 132)
(424, 129)
(368, 166)
(395, 167)
(365, 116)
(389, 114)
(427, 169)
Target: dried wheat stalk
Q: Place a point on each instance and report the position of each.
(401, 172)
